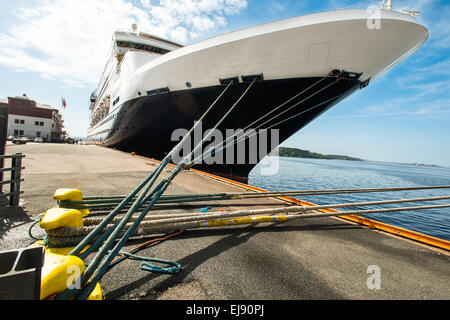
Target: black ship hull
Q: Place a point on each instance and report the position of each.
(145, 125)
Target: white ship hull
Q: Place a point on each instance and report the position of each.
(306, 47)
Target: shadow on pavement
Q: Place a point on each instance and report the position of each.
(11, 217)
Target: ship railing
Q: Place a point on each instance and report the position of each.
(14, 180)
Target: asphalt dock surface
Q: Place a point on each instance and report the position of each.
(320, 258)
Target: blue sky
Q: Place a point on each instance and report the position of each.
(57, 48)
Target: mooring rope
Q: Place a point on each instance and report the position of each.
(149, 180)
(224, 196)
(189, 217)
(105, 243)
(208, 152)
(96, 269)
(237, 219)
(287, 101)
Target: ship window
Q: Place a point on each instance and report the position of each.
(124, 44)
(140, 46)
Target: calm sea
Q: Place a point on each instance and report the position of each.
(314, 174)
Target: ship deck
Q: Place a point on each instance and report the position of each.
(321, 258)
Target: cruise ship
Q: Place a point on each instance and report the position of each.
(297, 69)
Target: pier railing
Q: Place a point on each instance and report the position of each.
(14, 179)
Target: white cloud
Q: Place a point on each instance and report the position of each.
(278, 6)
(420, 103)
(146, 3)
(179, 33)
(69, 40)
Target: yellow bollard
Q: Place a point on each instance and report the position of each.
(60, 217)
(96, 294)
(61, 271)
(68, 194)
(64, 194)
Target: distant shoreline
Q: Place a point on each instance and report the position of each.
(306, 154)
(411, 164)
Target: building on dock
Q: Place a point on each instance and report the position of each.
(29, 118)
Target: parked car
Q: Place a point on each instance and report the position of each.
(19, 141)
(10, 138)
(37, 139)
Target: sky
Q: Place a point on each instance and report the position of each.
(58, 48)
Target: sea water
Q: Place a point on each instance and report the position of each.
(315, 174)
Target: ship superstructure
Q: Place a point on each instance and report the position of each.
(141, 48)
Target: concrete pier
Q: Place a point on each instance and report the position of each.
(321, 258)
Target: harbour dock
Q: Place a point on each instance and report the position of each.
(318, 258)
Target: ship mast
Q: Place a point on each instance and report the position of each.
(389, 5)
